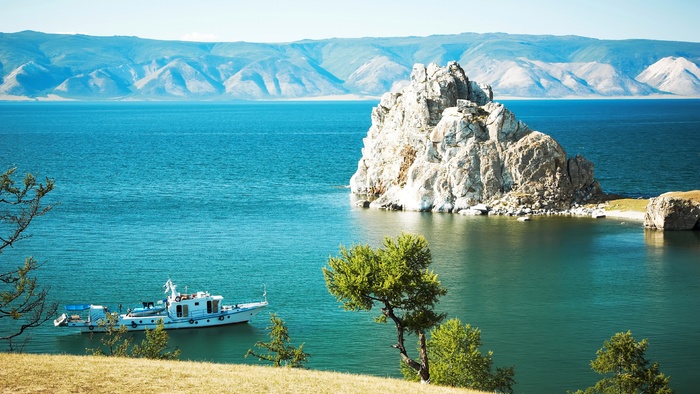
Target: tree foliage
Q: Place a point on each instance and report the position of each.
(455, 360)
(22, 299)
(155, 344)
(279, 350)
(115, 341)
(395, 277)
(628, 370)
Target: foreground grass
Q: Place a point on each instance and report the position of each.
(31, 373)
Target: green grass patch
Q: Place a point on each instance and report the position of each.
(627, 204)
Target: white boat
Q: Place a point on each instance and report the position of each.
(196, 310)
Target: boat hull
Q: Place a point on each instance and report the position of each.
(231, 315)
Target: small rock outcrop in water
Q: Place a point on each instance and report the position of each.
(443, 145)
(673, 211)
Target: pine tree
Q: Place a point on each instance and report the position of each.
(623, 360)
(455, 360)
(114, 341)
(279, 350)
(396, 278)
(155, 344)
(22, 299)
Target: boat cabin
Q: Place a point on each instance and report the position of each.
(194, 305)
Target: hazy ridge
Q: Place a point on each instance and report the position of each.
(37, 65)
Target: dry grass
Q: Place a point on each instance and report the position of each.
(627, 204)
(690, 195)
(29, 373)
(640, 205)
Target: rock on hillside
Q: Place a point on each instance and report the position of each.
(673, 211)
(443, 145)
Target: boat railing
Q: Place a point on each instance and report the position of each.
(223, 310)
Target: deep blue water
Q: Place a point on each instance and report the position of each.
(228, 197)
(639, 147)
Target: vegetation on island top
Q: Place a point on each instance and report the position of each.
(690, 195)
(640, 204)
(627, 204)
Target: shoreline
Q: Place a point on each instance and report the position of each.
(630, 215)
(337, 97)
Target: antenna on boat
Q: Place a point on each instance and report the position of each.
(168, 285)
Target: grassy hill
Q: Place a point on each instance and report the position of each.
(31, 373)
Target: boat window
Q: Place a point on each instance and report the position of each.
(179, 311)
(208, 306)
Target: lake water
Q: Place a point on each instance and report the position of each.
(231, 197)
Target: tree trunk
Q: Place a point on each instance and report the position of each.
(424, 367)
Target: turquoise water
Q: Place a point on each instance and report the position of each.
(231, 197)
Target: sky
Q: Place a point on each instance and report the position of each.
(294, 20)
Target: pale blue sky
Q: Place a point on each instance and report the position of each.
(284, 21)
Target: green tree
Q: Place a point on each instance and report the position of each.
(155, 344)
(622, 359)
(117, 343)
(396, 278)
(114, 341)
(22, 299)
(455, 360)
(279, 350)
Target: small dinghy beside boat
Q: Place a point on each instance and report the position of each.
(149, 308)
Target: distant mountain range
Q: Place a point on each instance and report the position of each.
(38, 65)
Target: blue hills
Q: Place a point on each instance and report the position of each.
(39, 65)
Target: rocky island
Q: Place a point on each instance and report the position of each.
(674, 211)
(442, 144)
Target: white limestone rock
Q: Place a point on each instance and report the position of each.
(672, 212)
(443, 145)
